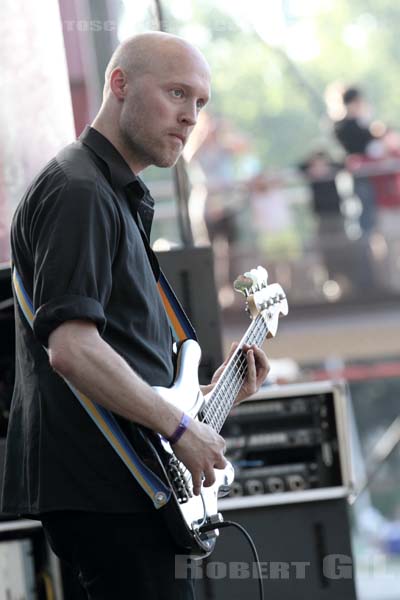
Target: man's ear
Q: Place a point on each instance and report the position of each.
(118, 83)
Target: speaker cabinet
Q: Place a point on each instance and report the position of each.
(190, 271)
(304, 551)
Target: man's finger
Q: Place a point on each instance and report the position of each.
(262, 364)
(221, 463)
(210, 477)
(196, 480)
(251, 367)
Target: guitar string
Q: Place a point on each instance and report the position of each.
(218, 401)
(210, 418)
(217, 425)
(241, 371)
(232, 367)
(224, 397)
(239, 366)
(233, 387)
(224, 394)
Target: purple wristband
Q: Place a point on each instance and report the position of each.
(180, 430)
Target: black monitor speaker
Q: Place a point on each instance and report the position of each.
(190, 272)
(304, 550)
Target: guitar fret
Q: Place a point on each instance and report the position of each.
(223, 400)
(225, 391)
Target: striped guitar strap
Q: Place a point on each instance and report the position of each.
(182, 329)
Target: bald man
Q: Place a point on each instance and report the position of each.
(80, 243)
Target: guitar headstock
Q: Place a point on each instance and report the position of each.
(267, 300)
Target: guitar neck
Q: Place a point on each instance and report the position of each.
(227, 388)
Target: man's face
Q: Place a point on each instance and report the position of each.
(161, 108)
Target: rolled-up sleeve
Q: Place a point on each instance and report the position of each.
(74, 236)
(66, 308)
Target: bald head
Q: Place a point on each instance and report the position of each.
(150, 52)
(155, 86)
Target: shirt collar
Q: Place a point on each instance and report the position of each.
(121, 174)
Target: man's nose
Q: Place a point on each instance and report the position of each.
(189, 115)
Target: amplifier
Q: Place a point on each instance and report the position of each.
(312, 535)
(289, 444)
(188, 270)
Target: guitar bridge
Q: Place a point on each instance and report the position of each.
(178, 476)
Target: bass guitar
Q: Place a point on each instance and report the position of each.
(193, 520)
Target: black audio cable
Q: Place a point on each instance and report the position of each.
(252, 546)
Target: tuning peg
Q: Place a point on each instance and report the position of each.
(262, 276)
(253, 275)
(243, 284)
(252, 281)
(259, 276)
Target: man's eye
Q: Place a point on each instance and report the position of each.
(200, 104)
(177, 93)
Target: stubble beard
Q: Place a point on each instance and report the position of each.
(143, 149)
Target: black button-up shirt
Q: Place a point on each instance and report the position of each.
(80, 253)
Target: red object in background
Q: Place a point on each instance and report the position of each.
(384, 175)
(360, 372)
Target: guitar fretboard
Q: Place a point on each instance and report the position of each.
(227, 388)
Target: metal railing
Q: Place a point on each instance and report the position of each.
(321, 254)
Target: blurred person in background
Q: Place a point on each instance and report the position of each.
(215, 154)
(321, 170)
(356, 132)
(272, 226)
(359, 136)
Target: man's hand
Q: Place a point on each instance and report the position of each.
(201, 449)
(257, 370)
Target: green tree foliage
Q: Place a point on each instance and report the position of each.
(277, 99)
